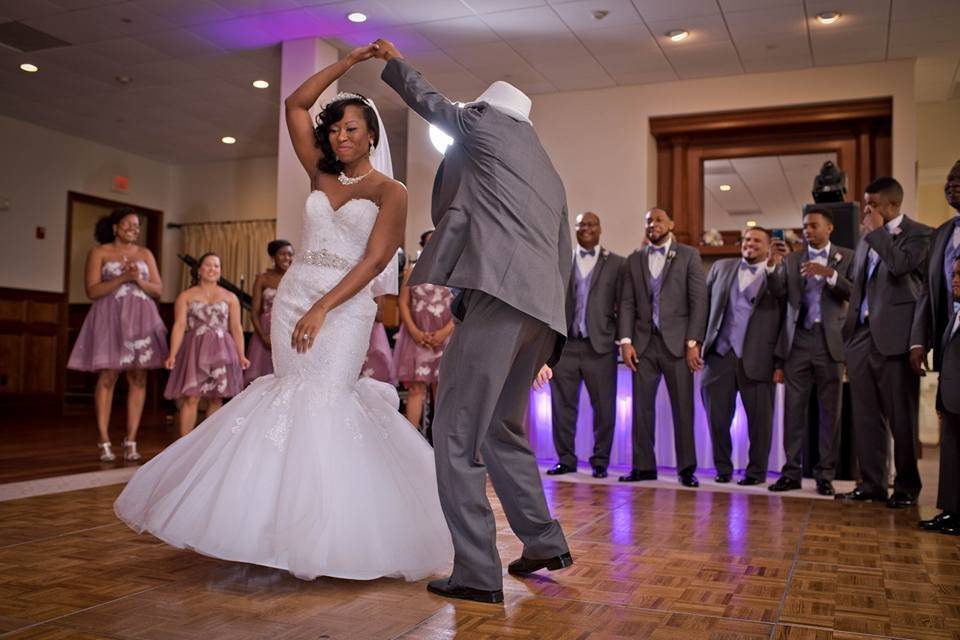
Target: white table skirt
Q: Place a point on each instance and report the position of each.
(540, 430)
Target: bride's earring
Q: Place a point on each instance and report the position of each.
(370, 149)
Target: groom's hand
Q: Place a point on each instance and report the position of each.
(386, 50)
(543, 377)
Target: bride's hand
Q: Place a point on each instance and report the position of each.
(363, 53)
(307, 328)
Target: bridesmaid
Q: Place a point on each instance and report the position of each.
(123, 330)
(426, 325)
(264, 290)
(206, 345)
(379, 362)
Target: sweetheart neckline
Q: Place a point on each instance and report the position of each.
(336, 209)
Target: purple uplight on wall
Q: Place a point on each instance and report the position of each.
(540, 428)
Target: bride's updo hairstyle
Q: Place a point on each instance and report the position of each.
(333, 113)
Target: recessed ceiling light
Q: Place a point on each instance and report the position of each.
(751, 223)
(261, 84)
(678, 35)
(228, 140)
(29, 68)
(122, 79)
(828, 17)
(600, 14)
(356, 16)
(725, 187)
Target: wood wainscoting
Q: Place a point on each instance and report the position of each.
(32, 347)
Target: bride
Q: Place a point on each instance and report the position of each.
(311, 469)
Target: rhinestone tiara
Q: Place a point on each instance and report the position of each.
(346, 95)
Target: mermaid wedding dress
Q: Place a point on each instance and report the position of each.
(310, 469)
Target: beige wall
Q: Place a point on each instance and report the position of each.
(599, 140)
(938, 148)
(37, 168)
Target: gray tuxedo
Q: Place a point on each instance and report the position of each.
(751, 374)
(948, 404)
(811, 348)
(502, 237)
(681, 296)
(884, 390)
(591, 359)
(933, 312)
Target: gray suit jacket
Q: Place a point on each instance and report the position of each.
(895, 286)
(932, 315)
(834, 301)
(499, 207)
(601, 301)
(763, 331)
(683, 300)
(947, 396)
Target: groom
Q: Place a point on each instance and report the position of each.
(502, 240)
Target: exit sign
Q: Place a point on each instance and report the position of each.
(121, 184)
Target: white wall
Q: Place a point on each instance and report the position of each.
(600, 142)
(37, 168)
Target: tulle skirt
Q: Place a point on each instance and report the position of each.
(261, 358)
(207, 366)
(294, 476)
(121, 331)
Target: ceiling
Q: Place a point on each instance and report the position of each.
(191, 62)
(768, 189)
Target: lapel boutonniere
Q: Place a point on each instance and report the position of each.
(837, 257)
(671, 254)
(896, 231)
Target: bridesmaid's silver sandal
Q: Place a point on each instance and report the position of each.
(130, 450)
(106, 454)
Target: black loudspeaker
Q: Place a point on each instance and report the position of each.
(846, 221)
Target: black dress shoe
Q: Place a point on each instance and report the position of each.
(636, 475)
(560, 469)
(689, 480)
(522, 566)
(723, 478)
(860, 496)
(825, 488)
(442, 587)
(748, 481)
(937, 522)
(901, 500)
(784, 483)
(599, 472)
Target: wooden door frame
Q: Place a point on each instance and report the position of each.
(858, 131)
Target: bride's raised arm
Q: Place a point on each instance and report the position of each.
(297, 107)
(385, 238)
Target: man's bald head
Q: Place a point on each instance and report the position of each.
(588, 229)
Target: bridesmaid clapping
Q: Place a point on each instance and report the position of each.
(123, 330)
(206, 345)
(264, 290)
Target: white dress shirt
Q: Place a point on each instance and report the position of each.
(655, 260)
(832, 280)
(586, 263)
(746, 277)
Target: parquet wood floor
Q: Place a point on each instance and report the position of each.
(649, 563)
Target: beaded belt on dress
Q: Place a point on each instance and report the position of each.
(324, 258)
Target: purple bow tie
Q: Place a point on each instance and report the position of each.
(750, 267)
(584, 253)
(661, 250)
(817, 254)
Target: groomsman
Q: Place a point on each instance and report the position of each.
(590, 353)
(663, 316)
(746, 309)
(934, 325)
(811, 347)
(948, 406)
(889, 268)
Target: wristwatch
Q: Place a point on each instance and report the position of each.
(691, 344)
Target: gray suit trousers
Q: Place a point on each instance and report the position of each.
(485, 377)
(598, 371)
(723, 377)
(656, 360)
(885, 394)
(810, 364)
(948, 492)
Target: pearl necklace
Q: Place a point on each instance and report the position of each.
(346, 180)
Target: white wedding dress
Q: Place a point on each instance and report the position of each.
(310, 469)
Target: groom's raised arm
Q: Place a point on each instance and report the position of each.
(433, 106)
